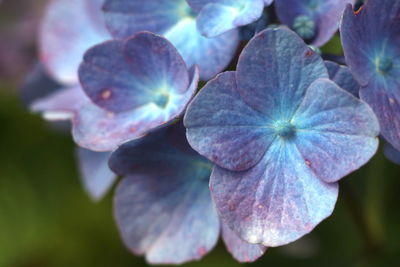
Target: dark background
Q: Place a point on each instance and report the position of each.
(46, 219)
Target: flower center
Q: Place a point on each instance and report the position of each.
(383, 65)
(285, 129)
(161, 100)
(304, 26)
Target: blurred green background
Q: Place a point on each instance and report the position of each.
(47, 220)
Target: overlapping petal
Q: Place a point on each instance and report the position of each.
(69, 28)
(337, 133)
(61, 104)
(123, 75)
(148, 97)
(218, 17)
(277, 201)
(275, 70)
(223, 128)
(176, 21)
(314, 20)
(163, 207)
(371, 41)
(97, 178)
(341, 75)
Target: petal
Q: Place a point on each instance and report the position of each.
(240, 249)
(68, 29)
(126, 17)
(371, 41)
(217, 17)
(277, 201)
(61, 105)
(391, 153)
(97, 178)
(275, 70)
(163, 208)
(225, 129)
(325, 14)
(100, 130)
(176, 21)
(341, 75)
(121, 76)
(336, 135)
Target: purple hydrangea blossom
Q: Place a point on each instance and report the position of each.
(163, 205)
(314, 20)
(371, 43)
(134, 86)
(176, 21)
(282, 135)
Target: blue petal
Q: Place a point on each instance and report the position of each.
(61, 105)
(240, 249)
(69, 28)
(277, 201)
(336, 134)
(371, 41)
(97, 178)
(100, 130)
(391, 153)
(323, 14)
(223, 128)
(275, 70)
(341, 75)
(217, 17)
(176, 21)
(124, 75)
(163, 207)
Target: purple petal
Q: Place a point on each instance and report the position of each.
(217, 17)
(337, 134)
(100, 130)
(225, 129)
(277, 201)
(163, 208)
(68, 29)
(275, 70)
(341, 75)
(391, 153)
(176, 21)
(62, 104)
(371, 41)
(240, 249)
(123, 75)
(324, 14)
(97, 178)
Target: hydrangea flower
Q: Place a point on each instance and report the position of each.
(69, 27)
(282, 135)
(163, 205)
(371, 43)
(314, 20)
(176, 21)
(216, 17)
(134, 85)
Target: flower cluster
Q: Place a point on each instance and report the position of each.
(257, 152)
